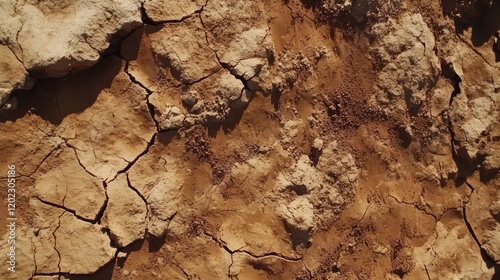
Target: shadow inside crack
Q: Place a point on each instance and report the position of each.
(168, 136)
(134, 247)
(155, 243)
(310, 4)
(486, 175)
(486, 25)
(497, 272)
(481, 16)
(104, 273)
(262, 265)
(230, 123)
(300, 238)
(275, 98)
(53, 99)
(130, 47)
(466, 167)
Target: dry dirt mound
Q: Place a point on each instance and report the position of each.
(237, 139)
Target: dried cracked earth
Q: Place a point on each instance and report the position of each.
(269, 139)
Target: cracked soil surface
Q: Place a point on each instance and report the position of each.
(269, 139)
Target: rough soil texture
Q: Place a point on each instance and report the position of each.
(266, 139)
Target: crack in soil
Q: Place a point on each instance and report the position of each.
(414, 206)
(55, 243)
(79, 162)
(229, 268)
(486, 258)
(427, 272)
(363, 216)
(469, 227)
(17, 36)
(223, 244)
(43, 160)
(146, 205)
(73, 212)
(62, 207)
(297, 15)
(182, 270)
(456, 80)
(135, 190)
(104, 205)
(143, 153)
(200, 79)
(33, 248)
(151, 108)
(474, 50)
(18, 59)
(149, 21)
(309, 272)
(149, 92)
(225, 65)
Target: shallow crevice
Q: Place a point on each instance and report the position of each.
(229, 268)
(223, 244)
(200, 79)
(104, 272)
(269, 255)
(149, 92)
(222, 64)
(146, 205)
(232, 72)
(55, 243)
(297, 15)
(135, 190)
(20, 47)
(427, 272)
(363, 216)
(57, 274)
(414, 206)
(309, 272)
(100, 214)
(62, 207)
(43, 160)
(474, 50)
(18, 59)
(469, 186)
(462, 164)
(19, 31)
(79, 162)
(182, 270)
(470, 229)
(486, 258)
(146, 19)
(33, 248)
(130, 164)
